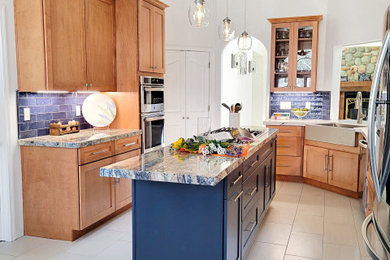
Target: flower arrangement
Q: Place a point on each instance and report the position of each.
(210, 147)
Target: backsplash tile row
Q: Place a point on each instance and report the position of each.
(46, 108)
(319, 103)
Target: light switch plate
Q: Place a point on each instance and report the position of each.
(26, 114)
(78, 111)
(307, 105)
(285, 105)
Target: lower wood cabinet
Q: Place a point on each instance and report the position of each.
(97, 194)
(336, 168)
(63, 193)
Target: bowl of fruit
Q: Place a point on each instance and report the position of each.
(300, 113)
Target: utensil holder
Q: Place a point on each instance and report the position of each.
(234, 120)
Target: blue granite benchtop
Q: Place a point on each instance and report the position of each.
(169, 165)
(82, 139)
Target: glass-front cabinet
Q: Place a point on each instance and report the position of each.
(294, 50)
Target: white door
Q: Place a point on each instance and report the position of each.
(197, 90)
(174, 103)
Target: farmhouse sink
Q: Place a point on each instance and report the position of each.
(335, 133)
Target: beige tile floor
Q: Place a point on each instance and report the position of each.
(303, 223)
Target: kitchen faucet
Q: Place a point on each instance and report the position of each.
(359, 107)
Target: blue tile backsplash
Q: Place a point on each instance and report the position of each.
(319, 103)
(46, 108)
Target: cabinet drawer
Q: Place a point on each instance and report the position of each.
(289, 165)
(251, 190)
(289, 146)
(127, 144)
(266, 150)
(288, 130)
(234, 180)
(95, 152)
(249, 224)
(250, 165)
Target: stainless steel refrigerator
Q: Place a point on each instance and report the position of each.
(376, 227)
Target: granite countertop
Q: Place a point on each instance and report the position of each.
(168, 165)
(82, 139)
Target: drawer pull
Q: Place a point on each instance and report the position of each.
(99, 152)
(253, 164)
(253, 191)
(285, 131)
(237, 180)
(251, 226)
(238, 196)
(281, 165)
(284, 146)
(129, 144)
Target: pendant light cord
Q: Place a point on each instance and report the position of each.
(227, 8)
(245, 15)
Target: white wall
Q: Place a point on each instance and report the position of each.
(11, 215)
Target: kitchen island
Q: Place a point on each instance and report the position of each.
(190, 206)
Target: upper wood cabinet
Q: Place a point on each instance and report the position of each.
(151, 36)
(78, 42)
(294, 52)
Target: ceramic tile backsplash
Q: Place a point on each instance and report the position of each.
(319, 103)
(46, 108)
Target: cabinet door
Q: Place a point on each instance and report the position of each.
(315, 163)
(123, 195)
(158, 41)
(268, 182)
(281, 56)
(97, 196)
(305, 56)
(65, 44)
(343, 170)
(145, 35)
(233, 226)
(100, 42)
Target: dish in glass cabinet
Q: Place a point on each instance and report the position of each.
(304, 62)
(99, 110)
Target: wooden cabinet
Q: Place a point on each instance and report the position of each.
(151, 36)
(343, 170)
(315, 163)
(100, 44)
(97, 194)
(333, 167)
(289, 150)
(65, 195)
(294, 51)
(77, 48)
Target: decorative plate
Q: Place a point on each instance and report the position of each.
(99, 110)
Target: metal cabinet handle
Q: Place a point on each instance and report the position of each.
(237, 180)
(253, 164)
(252, 226)
(238, 196)
(285, 131)
(370, 249)
(379, 187)
(99, 152)
(129, 144)
(285, 146)
(325, 162)
(86, 84)
(183, 117)
(363, 143)
(281, 165)
(253, 191)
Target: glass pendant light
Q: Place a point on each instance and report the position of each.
(245, 41)
(226, 29)
(199, 13)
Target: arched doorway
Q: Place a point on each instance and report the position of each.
(249, 89)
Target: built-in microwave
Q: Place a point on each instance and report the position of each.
(152, 94)
(153, 127)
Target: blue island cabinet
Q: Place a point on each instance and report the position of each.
(173, 221)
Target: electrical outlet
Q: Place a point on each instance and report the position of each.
(285, 105)
(307, 105)
(26, 114)
(78, 111)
